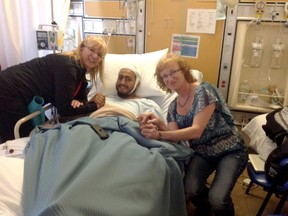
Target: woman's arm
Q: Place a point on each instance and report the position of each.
(195, 131)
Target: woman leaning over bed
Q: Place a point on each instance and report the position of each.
(58, 78)
(200, 116)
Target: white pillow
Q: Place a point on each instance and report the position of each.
(146, 64)
(259, 142)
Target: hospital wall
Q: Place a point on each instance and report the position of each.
(167, 17)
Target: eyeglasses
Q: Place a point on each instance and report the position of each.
(94, 51)
(172, 74)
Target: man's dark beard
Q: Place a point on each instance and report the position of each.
(123, 95)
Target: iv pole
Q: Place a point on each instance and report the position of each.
(53, 23)
(54, 27)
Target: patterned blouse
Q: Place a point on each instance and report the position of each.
(220, 136)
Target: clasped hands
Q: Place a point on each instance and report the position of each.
(149, 125)
(98, 99)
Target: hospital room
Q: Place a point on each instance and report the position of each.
(144, 107)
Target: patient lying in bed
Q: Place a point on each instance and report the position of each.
(126, 103)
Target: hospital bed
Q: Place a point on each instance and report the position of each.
(137, 177)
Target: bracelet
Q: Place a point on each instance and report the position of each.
(160, 135)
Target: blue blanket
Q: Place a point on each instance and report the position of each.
(69, 170)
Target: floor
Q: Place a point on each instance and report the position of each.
(248, 205)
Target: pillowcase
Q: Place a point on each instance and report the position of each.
(145, 63)
(259, 142)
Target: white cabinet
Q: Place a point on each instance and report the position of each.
(74, 28)
(120, 23)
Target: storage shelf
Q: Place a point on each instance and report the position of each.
(261, 95)
(106, 18)
(112, 23)
(106, 33)
(256, 109)
(75, 15)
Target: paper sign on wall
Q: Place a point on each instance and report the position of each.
(201, 21)
(185, 45)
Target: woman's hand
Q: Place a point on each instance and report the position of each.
(76, 103)
(151, 118)
(99, 99)
(145, 118)
(150, 131)
(148, 124)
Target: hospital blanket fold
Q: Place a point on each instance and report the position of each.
(69, 170)
(110, 110)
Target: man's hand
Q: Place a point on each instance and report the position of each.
(99, 99)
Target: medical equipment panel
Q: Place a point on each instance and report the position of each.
(253, 74)
(49, 37)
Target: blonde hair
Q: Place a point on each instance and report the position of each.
(96, 43)
(165, 62)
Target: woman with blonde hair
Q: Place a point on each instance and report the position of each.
(59, 78)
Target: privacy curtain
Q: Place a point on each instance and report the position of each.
(19, 20)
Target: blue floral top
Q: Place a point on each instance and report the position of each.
(221, 135)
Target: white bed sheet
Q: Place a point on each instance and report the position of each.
(258, 140)
(11, 172)
(11, 176)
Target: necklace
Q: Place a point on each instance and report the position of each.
(182, 105)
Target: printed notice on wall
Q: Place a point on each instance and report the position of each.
(201, 21)
(185, 45)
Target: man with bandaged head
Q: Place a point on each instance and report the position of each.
(126, 103)
(127, 82)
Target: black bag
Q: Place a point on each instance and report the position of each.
(276, 127)
(273, 169)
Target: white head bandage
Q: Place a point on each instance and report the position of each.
(135, 70)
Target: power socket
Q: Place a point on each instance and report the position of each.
(246, 181)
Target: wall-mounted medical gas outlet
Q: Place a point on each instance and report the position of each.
(260, 8)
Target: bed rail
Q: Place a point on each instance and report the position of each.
(29, 117)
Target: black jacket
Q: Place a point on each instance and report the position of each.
(54, 77)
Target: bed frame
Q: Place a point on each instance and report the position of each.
(21, 121)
